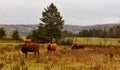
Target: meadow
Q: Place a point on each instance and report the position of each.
(97, 41)
(98, 54)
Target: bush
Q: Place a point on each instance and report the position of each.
(66, 42)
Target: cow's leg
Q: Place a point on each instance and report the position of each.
(26, 54)
(38, 52)
(35, 53)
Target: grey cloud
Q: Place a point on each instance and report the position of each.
(74, 12)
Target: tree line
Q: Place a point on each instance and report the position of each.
(113, 32)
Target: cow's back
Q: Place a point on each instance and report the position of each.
(77, 46)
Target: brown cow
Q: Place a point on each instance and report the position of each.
(77, 46)
(51, 47)
(30, 47)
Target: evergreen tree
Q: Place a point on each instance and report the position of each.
(15, 35)
(34, 35)
(117, 31)
(66, 33)
(53, 22)
(42, 34)
(114, 32)
(38, 35)
(51, 28)
(104, 33)
(84, 33)
(110, 32)
(2, 32)
(90, 33)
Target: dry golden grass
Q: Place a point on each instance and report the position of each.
(89, 58)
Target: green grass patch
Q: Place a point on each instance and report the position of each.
(97, 41)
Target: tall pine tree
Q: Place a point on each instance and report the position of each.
(51, 27)
(53, 22)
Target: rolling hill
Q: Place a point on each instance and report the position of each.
(25, 29)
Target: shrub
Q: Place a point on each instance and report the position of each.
(66, 42)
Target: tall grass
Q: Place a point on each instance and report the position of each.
(89, 58)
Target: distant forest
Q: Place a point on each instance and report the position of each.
(113, 32)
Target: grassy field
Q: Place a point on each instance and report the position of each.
(89, 58)
(97, 41)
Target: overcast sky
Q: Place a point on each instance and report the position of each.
(75, 12)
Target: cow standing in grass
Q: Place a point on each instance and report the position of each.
(77, 46)
(29, 47)
(51, 47)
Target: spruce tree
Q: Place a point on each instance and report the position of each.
(2, 32)
(53, 22)
(15, 35)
